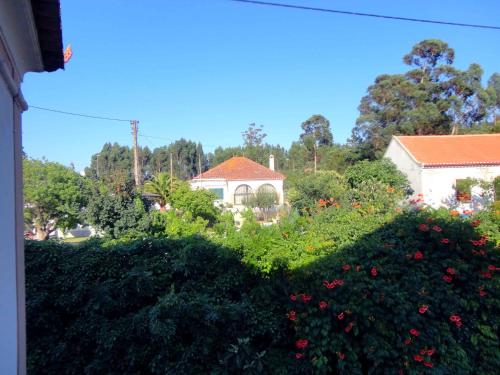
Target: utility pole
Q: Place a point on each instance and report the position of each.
(137, 173)
(199, 163)
(171, 173)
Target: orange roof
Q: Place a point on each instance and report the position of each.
(453, 150)
(241, 168)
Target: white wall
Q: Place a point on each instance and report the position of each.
(19, 53)
(211, 184)
(406, 164)
(230, 186)
(8, 266)
(438, 184)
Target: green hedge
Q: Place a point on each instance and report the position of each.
(162, 306)
(419, 295)
(418, 290)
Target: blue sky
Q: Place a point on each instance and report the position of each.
(205, 69)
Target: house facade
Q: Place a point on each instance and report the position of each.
(30, 41)
(237, 179)
(444, 170)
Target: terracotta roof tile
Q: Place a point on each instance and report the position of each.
(453, 150)
(241, 168)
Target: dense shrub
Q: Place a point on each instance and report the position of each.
(341, 291)
(116, 215)
(177, 307)
(384, 171)
(199, 203)
(418, 295)
(305, 190)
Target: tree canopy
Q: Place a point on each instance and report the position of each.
(161, 187)
(53, 195)
(254, 135)
(431, 98)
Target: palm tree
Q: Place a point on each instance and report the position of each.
(161, 188)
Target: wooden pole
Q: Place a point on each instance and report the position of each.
(137, 168)
(171, 172)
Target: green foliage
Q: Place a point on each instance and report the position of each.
(489, 222)
(494, 86)
(434, 98)
(193, 306)
(187, 157)
(173, 224)
(53, 196)
(316, 133)
(316, 129)
(264, 200)
(305, 190)
(149, 307)
(428, 53)
(161, 187)
(254, 135)
(116, 215)
(199, 203)
(463, 189)
(113, 165)
(377, 186)
(415, 293)
(496, 188)
(384, 171)
(256, 152)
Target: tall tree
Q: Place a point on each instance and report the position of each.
(254, 135)
(316, 133)
(53, 195)
(187, 157)
(114, 166)
(470, 102)
(427, 55)
(494, 88)
(115, 214)
(431, 98)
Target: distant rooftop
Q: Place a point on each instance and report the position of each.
(453, 150)
(241, 168)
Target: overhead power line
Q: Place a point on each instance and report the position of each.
(326, 10)
(80, 114)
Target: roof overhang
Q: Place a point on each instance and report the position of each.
(462, 165)
(31, 32)
(236, 179)
(476, 159)
(47, 16)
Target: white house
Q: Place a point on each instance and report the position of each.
(30, 41)
(440, 166)
(238, 178)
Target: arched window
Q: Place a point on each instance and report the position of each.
(242, 194)
(268, 189)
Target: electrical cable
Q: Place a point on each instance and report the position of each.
(326, 10)
(79, 114)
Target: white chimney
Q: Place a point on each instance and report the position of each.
(271, 162)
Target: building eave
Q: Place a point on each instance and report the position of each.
(203, 179)
(47, 18)
(461, 165)
(31, 32)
